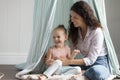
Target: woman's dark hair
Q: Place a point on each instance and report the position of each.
(85, 11)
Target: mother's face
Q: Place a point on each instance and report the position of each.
(76, 19)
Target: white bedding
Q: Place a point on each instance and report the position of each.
(77, 78)
(74, 77)
(62, 77)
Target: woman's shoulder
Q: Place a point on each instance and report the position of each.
(97, 31)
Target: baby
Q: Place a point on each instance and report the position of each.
(55, 53)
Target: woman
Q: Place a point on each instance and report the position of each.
(85, 34)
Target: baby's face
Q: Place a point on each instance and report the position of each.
(59, 38)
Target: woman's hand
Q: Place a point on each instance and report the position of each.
(65, 61)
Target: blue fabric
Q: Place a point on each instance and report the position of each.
(99, 70)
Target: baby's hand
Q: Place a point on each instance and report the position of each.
(76, 51)
(50, 62)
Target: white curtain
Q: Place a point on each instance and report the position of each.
(47, 15)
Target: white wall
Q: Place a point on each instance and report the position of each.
(16, 21)
(113, 19)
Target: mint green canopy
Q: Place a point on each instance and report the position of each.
(47, 15)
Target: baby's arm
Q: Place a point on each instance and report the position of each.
(49, 59)
(73, 54)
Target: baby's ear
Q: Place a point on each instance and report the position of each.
(66, 37)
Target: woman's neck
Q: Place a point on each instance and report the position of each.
(83, 31)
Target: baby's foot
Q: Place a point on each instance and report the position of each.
(33, 77)
(30, 77)
(24, 77)
(42, 77)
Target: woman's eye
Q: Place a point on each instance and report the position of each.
(75, 17)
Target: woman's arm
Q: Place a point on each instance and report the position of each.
(96, 47)
(67, 61)
(76, 62)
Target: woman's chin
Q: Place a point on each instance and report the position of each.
(76, 26)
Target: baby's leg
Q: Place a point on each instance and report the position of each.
(73, 70)
(54, 69)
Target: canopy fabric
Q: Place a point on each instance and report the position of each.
(47, 15)
(112, 57)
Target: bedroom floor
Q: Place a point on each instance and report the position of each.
(10, 71)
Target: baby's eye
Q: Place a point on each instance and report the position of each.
(53, 37)
(58, 36)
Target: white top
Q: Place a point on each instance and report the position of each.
(92, 46)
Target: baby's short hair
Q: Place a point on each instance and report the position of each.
(61, 27)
